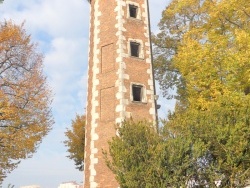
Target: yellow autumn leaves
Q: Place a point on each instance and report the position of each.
(214, 55)
(25, 98)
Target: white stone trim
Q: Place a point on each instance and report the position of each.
(87, 102)
(121, 107)
(95, 93)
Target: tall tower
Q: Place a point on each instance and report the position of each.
(120, 79)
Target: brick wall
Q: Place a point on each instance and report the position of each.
(112, 71)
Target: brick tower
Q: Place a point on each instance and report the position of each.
(120, 79)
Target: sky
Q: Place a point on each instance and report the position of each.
(61, 29)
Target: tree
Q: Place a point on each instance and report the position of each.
(139, 157)
(194, 149)
(213, 59)
(197, 22)
(25, 98)
(133, 156)
(76, 141)
(177, 19)
(218, 140)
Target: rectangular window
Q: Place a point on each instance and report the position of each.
(137, 92)
(133, 11)
(134, 49)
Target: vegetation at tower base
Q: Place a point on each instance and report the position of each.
(135, 156)
(194, 149)
(25, 98)
(76, 141)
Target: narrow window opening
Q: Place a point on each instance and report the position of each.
(137, 93)
(134, 49)
(133, 11)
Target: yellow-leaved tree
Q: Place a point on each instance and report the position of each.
(213, 58)
(25, 98)
(76, 140)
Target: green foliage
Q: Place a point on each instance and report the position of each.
(134, 156)
(203, 50)
(76, 141)
(195, 148)
(219, 142)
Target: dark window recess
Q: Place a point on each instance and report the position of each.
(137, 93)
(133, 11)
(135, 48)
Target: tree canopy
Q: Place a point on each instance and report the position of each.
(213, 58)
(135, 155)
(218, 142)
(25, 98)
(194, 149)
(205, 42)
(76, 141)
